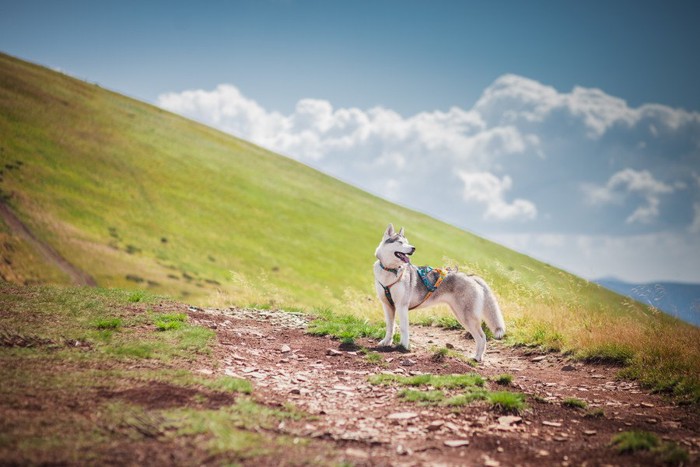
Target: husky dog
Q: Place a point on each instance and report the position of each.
(402, 287)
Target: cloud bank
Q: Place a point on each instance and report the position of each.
(524, 160)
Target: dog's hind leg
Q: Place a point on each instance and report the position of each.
(474, 327)
(468, 309)
(389, 321)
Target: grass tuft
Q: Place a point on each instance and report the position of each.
(230, 384)
(169, 322)
(436, 381)
(507, 402)
(344, 327)
(439, 355)
(108, 323)
(629, 442)
(574, 403)
(503, 380)
(424, 397)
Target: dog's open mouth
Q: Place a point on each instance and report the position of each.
(402, 256)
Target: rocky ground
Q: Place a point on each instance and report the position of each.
(366, 424)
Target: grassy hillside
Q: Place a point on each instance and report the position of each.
(139, 197)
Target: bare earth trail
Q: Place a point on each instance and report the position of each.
(77, 276)
(370, 425)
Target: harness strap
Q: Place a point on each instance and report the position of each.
(423, 274)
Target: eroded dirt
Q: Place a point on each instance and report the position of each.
(371, 425)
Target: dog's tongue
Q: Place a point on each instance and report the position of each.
(403, 258)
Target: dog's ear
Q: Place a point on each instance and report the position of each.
(401, 232)
(389, 231)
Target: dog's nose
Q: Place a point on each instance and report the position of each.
(413, 250)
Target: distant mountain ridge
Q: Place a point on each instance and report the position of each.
(674, 298)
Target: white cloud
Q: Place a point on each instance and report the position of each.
(486, 188)
(516, 161)
(626, 182)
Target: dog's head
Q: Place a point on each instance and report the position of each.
(393, 251)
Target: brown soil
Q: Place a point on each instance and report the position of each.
(371, 425)
(352, 421)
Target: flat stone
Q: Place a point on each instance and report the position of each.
(285, 348)
(402, 416)
(456, 443)
(568, 368)
(509, 420)
(538, 359)
(546, 423)
(333, 352)
(589, 432)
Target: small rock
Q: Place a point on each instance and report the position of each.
(589, 432)
(213, 326)
(449, 346)
(333, 352)
(295, 391)
(455, 443)
(647, 405)
(488, 462)
(652, 421)
(402, 416)
(435, 425)
(542, 452)
(538, 359)
(509, 420)
(403, 451)
(560, 439)
(568, 368)
(285, 348)
(556, 424)
(205, 371)
(407, 362)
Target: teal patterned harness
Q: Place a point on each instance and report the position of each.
(423, 273)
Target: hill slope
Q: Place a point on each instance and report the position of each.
(126, 189)
(134, 196)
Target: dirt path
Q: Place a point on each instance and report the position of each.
(371, 425)
(77, 276)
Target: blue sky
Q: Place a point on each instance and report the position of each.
(568, 130)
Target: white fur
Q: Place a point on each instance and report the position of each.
(469, 297)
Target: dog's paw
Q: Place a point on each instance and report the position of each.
(476, 358)
(385, 342)
(406, 347)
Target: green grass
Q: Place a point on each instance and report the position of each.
(435, 381)
(595, 413)
(667, 453)
(230, 384)
(574, 403)
(262, 228)
(168, 322)
(629, 442)
(440, 355)
(86, 392)
(507, 402)
(424, 397)
(343, 327)
(504, 379)
(108, 323)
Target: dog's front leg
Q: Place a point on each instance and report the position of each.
(389, 320)
(403, 326)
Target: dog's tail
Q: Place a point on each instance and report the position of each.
(492, 313)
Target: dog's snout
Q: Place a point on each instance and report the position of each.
(413, 250)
